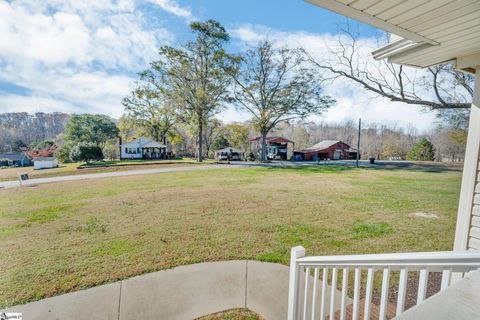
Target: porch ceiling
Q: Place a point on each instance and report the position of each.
(432, 31)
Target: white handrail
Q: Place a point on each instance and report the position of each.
(435, 261)
(447, 262)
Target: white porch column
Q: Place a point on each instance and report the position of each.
(470, 171)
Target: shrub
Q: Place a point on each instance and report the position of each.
(423, 150)
(62, 154)
(87, 152)
(111, 149)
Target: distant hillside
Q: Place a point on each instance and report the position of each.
(35, 127)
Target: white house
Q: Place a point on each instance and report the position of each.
(143, 148)
(45, 163)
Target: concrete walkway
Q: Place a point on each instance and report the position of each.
(182, 293)
(16, 183)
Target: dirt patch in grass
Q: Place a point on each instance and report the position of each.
(71, 235)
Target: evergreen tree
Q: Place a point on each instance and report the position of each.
(423, 150)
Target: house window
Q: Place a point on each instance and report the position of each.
(131, 150)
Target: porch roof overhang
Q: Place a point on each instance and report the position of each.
(153, 144)
(428, 32)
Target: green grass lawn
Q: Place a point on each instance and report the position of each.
(62, 237)
(75, 168)
(234, 314)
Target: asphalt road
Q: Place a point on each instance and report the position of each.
(16, 183)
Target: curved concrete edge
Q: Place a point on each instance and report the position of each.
(183, 293)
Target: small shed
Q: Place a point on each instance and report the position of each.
(229, 154)
(45, 163)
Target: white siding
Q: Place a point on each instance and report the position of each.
(474, 233)
(126, 152)
(45, 164)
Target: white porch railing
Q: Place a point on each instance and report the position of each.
(308, 301)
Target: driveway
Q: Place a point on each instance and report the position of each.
(12, 184)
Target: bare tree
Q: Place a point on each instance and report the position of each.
(274, 86)
(441, 87)
(213, 129)
(10, 139)
(449, 143)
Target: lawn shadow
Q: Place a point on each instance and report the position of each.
(311, 168)
(338, 166)
(417, 166)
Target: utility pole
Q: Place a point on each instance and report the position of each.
(358, 141)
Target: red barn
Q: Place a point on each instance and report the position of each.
(327, 150)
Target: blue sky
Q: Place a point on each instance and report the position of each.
(83, 56)
(283, 15)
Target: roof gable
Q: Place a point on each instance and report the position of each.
(276, 139)
(14, 156)
(44, 159)
(142, 142)
(325, 144)
(152, 144)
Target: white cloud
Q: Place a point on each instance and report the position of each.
(353, 101)
(173, 7)
(112, 34)
(74, 56)
(94, 92)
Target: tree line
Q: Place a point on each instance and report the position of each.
(90, 137)
(179, 96)
(21, 129)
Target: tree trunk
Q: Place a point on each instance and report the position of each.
(156, 133)
(199, 141)
(263, 154)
